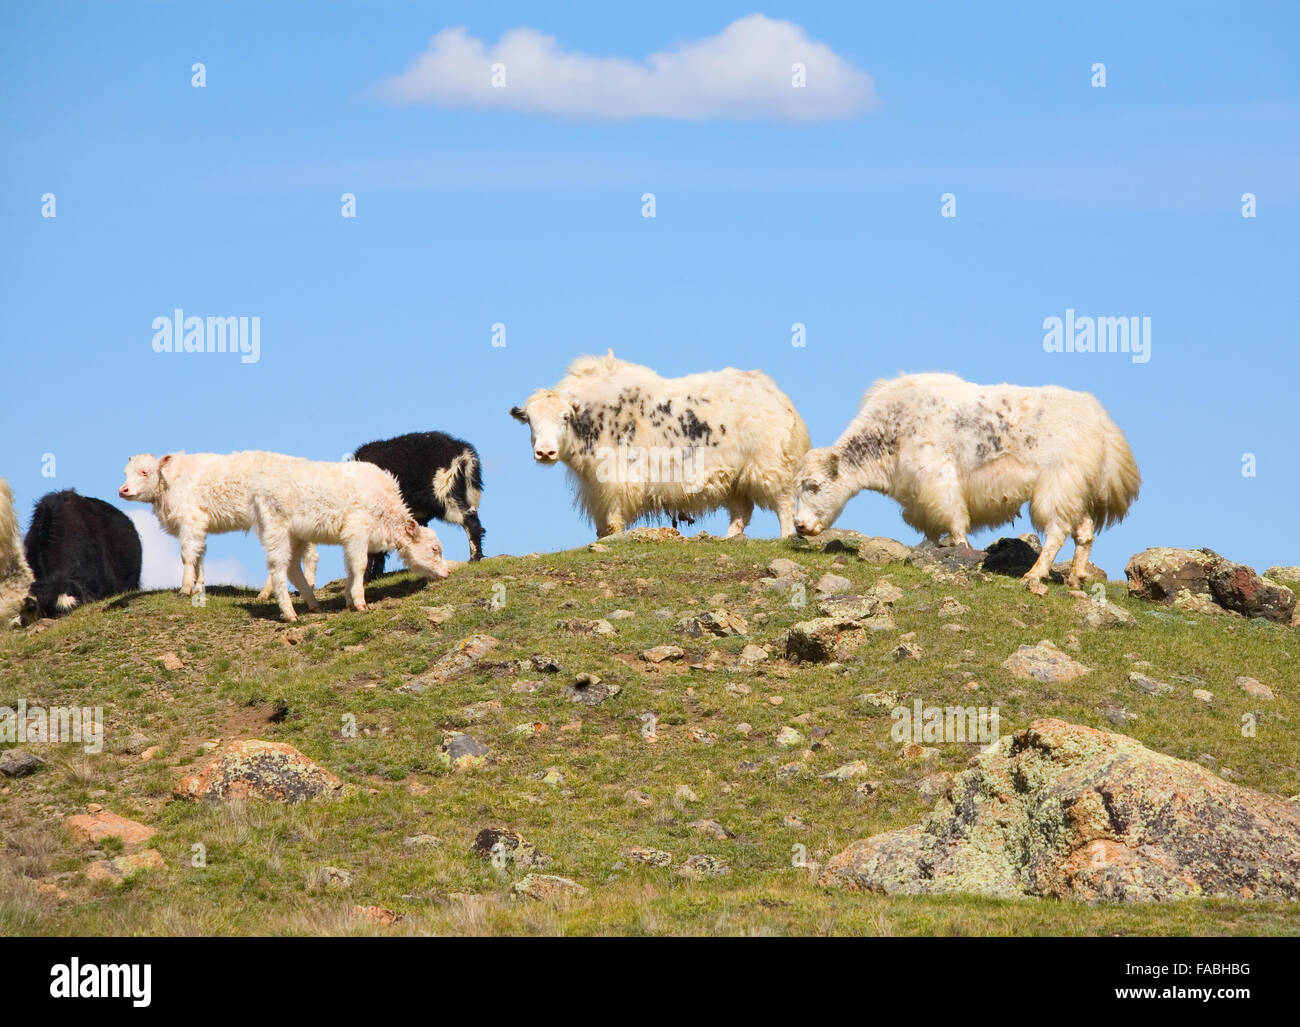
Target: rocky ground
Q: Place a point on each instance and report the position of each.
(653, 735)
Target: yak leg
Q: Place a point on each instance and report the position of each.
(1083, 537)
(740, 509)
(1056, 536)
(297, 577)
(355, 553)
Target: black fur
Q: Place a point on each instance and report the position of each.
(413, 460)
(81, 547)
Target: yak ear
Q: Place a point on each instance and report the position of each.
(412, 528)
(832, 465)
(518, 414)
(162, 468)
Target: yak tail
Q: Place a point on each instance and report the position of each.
(1120, 478)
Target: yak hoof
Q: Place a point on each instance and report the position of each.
(1035, 585)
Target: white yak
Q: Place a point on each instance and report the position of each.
(638, 445)
(195, 495)
(15, 575)
(354, 504)
(959, 456)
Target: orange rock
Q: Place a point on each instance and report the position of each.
(94, 827)
(257, 769)
(115, 871)
(377, 914)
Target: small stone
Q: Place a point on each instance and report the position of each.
(788, 738)
(439, 614)
(697, 867)
(783, 568)
(614, 615)
(950, 607)
(701, 736)
(19, 763)
(832, 584)
(590, 690)
(857, 768)
(1044, 662)
(582, 626)
(1201, 695)
(420, 841)
(661, 653)
(1149, 685)
(710, 827)
(376, 914)
(908, 651)
(548, 887)
(460, 751)
(793, 821)
(116, 871)
(171, 661)
(1253, 688)
(650, 857)
(332, 878)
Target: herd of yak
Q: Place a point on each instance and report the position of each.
(956, 456)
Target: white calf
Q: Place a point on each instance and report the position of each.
(353, 504)
(195, 495)
(959, 456)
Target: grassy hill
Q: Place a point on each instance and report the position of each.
(581, 782)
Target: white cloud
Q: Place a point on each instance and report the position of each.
(160, 565)
(744, 72)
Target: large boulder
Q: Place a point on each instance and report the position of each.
(824, 639)
(258, 769)
(1064, 811)
(1199, 579)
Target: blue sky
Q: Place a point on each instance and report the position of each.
(225, 200)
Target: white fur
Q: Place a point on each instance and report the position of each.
(195, 495)
(293, 502)
(748, 458)
(959, 456)
(15, 576)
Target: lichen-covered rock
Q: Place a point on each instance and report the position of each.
(1253, 688)
(456, 661)
(1102, 614)
(824, 639)
(460, 751)
(1289, 576)
(878, 550)
(720, 623)
(697, 867)
(664, 534)
(1044, 662)
(1193, 578)
(1160, 573)
(584, 626)
(951, 565)
(1064, 811)
(254, 769)
(504, 847)
(547, 886)
(650, 857)
(1238, 588)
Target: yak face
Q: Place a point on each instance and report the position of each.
(423, 551)
(548, 416)
(819, 492)
(143, 478)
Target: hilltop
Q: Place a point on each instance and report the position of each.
(613, 781)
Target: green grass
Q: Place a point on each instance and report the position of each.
(247, 675)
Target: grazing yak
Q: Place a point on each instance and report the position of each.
(79, 549)
(440, 478)
(638, 445)
(195, 495)
(959, 456)
(352, 503)
(15, 575)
